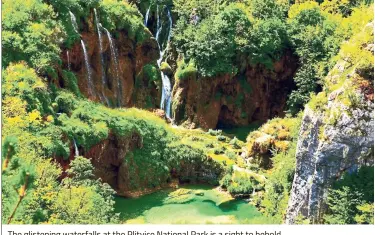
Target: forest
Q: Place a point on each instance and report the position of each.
(217, 111)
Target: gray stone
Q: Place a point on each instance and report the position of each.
(346, 146)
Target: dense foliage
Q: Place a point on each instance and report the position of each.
(351, 200)
(41, 122)
(44, 182)
(218, 37)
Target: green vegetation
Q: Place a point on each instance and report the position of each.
(259, 32)
(150, 73)
(40, 130)
(351, 200)
(241, 183)
(118, 15)
(46, 119)
(31, 33)
(225, 33)
(316, 36)
(273, 202)
(184, 70)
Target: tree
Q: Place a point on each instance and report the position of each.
(81, 171)
(8, 150)
(365, 214)
(313, 37)
(30, 33)
(342, 205)
(351, 198)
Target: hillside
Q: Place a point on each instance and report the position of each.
(108, 102)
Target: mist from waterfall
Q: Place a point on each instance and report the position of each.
(114, 55)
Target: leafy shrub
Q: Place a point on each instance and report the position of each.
(241, 184)
(348, 195)
(226, 181)
(70, 82)
(235, 143)
(215, 132)
(117, 15)
(221, 138)
(231, 155)
(209, 145)
(185, 70)
(365, 214)
(267, 9)
(218, 151)
(21, 81)
(269, 39)
(150, 72)
(30, 33)
(214, 42)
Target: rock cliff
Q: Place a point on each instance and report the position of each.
(225, 101)
(336, 136)
(136, 88)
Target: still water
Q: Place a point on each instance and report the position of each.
(193, 204)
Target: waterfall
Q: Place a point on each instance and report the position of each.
(147, 15)
(170, 25)
(68, 58)
(166, 93)
(88, 69)
(166, 90)
(100, 47)
(159, 26)
(74, 21)
(76, 152)
(157, 17)
(114, 56)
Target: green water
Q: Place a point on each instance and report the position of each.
(188, 205)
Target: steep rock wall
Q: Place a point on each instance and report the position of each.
(132, 56)
(114, 164)
(224, 101)
(335, 138)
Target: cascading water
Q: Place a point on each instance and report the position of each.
(76, 152)
(68, 58)
(74, 21)
(166, 95)
(147, 15)
(159, 26)
(116, 65)
(88, 69)
(157, 17)
(90, 84)
(170, 25)
(100, 39)
(100, 46)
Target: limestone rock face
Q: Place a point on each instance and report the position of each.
(113, 163)
(337, 131)
(134, 90)
(225, 101)
(326, 150)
